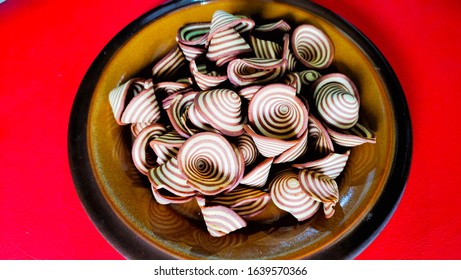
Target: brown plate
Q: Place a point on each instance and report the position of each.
(118, 198)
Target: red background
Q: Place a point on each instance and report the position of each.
(46, 47)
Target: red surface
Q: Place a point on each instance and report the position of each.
(47, 46)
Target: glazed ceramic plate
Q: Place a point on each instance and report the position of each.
(119, 201)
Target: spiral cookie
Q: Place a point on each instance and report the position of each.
(257, 177)
(319, 139)
(134, 102)
(193, 34)
(247, 148)
(221, 220)
(222, 20)
(287, 194)
(222, 110)
(204, 79)
(295, 152)
(246, 202)
(141, 144)
(209, 163)
(169, 176)
(192, 38)
(331, 165)
(177, 112)
(276, 112)
(226, 45)
(319, 186)
(167, 146)
(337, 101)
(169, 65)
(267, 146)
(312, 47)
(355, 136)
(255, 71)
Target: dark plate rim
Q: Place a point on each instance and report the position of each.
(132, 246)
